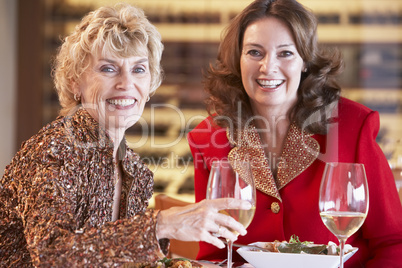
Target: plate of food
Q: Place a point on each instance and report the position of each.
(175, 263)
(294, 254)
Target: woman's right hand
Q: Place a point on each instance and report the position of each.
(201, 221)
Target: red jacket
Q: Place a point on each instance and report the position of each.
(352, 138)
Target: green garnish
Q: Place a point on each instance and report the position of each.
(294, 239)
(296, 246)
(168, 262)
(165, 261)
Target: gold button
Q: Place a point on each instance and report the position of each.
(275, 207)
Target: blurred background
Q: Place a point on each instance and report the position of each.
(368, 32)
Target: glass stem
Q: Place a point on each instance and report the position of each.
(342, 249)
(230, 248)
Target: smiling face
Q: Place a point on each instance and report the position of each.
(270, 66)
(114, 90)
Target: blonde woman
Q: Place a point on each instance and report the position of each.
(75, 194)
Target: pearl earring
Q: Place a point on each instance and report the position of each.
(77, 98)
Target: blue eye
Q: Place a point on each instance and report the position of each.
(107, 69)
(139, 70)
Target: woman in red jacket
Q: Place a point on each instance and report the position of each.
(274, 101)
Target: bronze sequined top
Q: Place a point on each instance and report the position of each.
(56, 201)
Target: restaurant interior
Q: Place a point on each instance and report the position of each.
(368, 32)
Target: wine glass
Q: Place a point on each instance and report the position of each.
(344, 200)
(233, 179)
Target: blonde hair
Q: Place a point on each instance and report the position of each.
(122, 30)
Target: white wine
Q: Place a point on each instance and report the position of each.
(342, 223)
(241, 215)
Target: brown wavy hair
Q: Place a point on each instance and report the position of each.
(318, 89)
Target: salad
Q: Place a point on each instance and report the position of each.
(306, 247)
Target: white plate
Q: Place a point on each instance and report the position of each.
(206, 264)
(261, 259)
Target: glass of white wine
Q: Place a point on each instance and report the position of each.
(344, 200)
(234, 180)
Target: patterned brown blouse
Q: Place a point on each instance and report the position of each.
(56, 201)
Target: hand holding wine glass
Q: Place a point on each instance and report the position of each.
(344, 200)
(233, 180)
